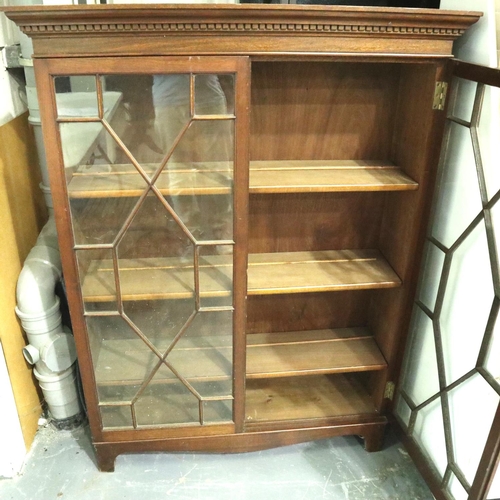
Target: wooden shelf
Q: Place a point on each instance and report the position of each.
(265, 177)
(327, 176)
(311, 397)
(268, 273)
(312, 352)
(116, 181)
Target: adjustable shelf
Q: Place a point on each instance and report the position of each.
(311, 353)
(268, 273)
(265, 177)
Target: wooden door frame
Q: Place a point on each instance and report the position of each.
(46, 70)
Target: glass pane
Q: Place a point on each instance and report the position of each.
(493, 354)
(98, 280)
(116, 416)
(218, 411)
(463, 98)
(159, 320)
(214, 95)
(429, 434)
(467, 304)
(135, 126)
(204, 354)
(488, 134)
(432, 268)
(197, 180)
(148, 140)
(76, 96)
(421, 384)
(216, 275)
(403, 411)
(494, 493)
(166, 400)
(456, 489)
(472, 401)
(97, 221)
(458, 201)
(121, 359)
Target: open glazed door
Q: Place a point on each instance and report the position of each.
(447, 401)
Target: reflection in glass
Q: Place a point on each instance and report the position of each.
(121, 359)
(218, 411)
(150, 176)
(76, 96)
(203, 355)
(116, 416)
(216, 275)
(166, 400)
(98, 279)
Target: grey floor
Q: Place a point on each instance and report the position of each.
(61, 466)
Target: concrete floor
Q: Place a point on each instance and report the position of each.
(61, 466)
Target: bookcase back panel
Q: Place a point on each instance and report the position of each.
(322, 110)
(314, 221)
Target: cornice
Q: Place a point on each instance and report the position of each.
(227, 19)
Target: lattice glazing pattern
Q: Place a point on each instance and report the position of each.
(456, 314)
(161, 347)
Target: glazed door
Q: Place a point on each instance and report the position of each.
(448, 400)
(150, 165)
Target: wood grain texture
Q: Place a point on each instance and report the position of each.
(416, 148)
(233, 443)
(312, 352)
(296, 222)
(265, 177)
(193, 29)
(306, 397)
(308, 311)
(272, 273)
(22, 215)
(322, 111)
(326, 86)
(326, 176)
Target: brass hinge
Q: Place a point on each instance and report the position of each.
(440, 92)
(389, 390)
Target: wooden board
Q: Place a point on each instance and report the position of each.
(327, 176)
(22, 214)
(297, 272)
(265, 177)
(275, 273)
(298, 398)
(312, 352)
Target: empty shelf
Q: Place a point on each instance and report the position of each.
(290, 176)
(296, 398)
(268, 273)
(312, 352)
(333, 270)
(327, 176)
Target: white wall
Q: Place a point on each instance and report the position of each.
(12, 103)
